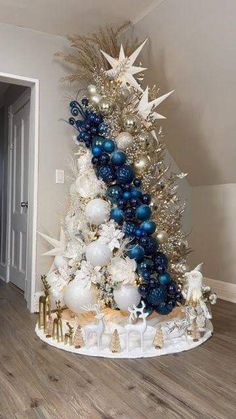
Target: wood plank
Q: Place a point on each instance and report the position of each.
(38, 381)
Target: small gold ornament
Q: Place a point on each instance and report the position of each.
(131, 123)
(92, 90)
(57, 332)
(158, 340)
(162, 236)
(124, 140)
(115, 342)
(78, 338)
(69, 335)
(141, 164)
(44, 304)
(148, 142)
(105, 106)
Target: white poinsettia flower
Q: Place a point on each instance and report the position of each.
(88, 185)
(88, 274)
(123, 270)
(111, 235)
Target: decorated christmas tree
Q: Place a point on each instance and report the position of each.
(121, 241)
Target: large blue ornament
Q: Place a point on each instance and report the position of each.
(136, 193)
(148, 226)
(164, 279)
(114, 193)
(117, 215)
(164, 308)
(145, 265)
(97, 150)
(160, 259)
(136, 252)
(98, 140)
(143, 212)
(109, 146)
(149, 244)
(106, 173)
(118, 158)
(157, 295)
(125, 174)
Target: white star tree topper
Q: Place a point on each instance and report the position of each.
(123, 68)
(59, 246)
(146, 108)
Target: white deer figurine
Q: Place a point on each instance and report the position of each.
(98, 328)
(139, 327)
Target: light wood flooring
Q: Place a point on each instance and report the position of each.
(38, 381)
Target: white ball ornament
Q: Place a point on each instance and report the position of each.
(97, 211)
(125, 296)
(60, 262)
(92, 90)
(124, 140)
(98, 254)
(76, 295)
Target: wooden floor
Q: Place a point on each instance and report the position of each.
(38, 381)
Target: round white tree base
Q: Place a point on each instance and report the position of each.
(175, 341)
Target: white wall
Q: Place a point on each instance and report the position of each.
(31, 54)
(214, 230)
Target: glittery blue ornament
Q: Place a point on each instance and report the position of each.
(146, 275)
(129, 213)
(157, 295)
(148, 226)
(160, 259)
(114, 192)
(145, 265)
(98, 120)
(143, 212)
(84, 136)
(106, 173)
(103, 128)
(109, 146)
(143, 289)
(97, 150)
(117, 215)
(129, 229)
(104, 159)
(125, 174)
(164, 279)
(164, 308)
(149, 244)
(98, 140)
(136, 252)
(118, 158)
(121, 203)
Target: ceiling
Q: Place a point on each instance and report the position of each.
(71, 16)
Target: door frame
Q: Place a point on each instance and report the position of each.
(33, 84)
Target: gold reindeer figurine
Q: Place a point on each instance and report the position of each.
(57, 332)
(44, 304)
(69, 335)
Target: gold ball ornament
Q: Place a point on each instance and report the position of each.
(147, 140)
(131, 123)
(105, 106)
(92, 90)
(162, 237)
(95, 99)
(142, 164)
(124, 140)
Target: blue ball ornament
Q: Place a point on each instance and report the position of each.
(114, 193)
(103, 128)
(125, 174)
(164, 308)
(160, 269)
(118, 158)
(160, 259)
(164, 279)
(134, 202)
(138, 232)
(137, 182)
(136, 193)
(172, 288)
(106, 173)
(98, 120)
(126, 195)
(143, 212)
(146, 198)
(149, 244)
(121, 203)
(143, 289)
(104, 159)
(109, 146)
(117, 215)
(129, 213)
(97, 150)
(146, 265)
(157, 295)
(136, 252)
(148, 226)
(129, 229)
(152, 283)
(146, 275)
(95, 160)
(98, 140)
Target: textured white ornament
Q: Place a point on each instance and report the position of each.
(60, 262)
(57, 283)
(84, 161)
(123, 270)
(76, 295)
(124, 140)
(125, 296)
(98, 254)
(97, 211)
(88, 185)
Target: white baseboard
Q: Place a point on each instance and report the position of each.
(224, 290)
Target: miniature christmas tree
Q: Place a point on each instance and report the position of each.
(78, 338)
(158, 341)
(115, 342)
(195, 332)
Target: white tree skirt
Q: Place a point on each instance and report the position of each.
(173, 342)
